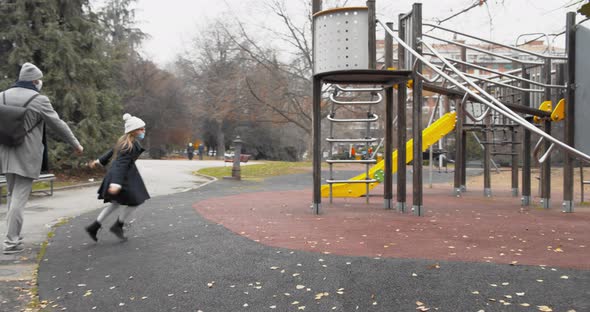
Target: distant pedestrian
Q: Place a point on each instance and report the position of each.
(201, 151)
(190, 151)
(23, 163)
(122, 184)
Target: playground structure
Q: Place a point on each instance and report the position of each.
(502, 102)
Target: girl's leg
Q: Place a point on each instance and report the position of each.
(93, 228)
(117, 228)
(107, 211)
(127, 211)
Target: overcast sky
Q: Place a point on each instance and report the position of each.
(172, 24)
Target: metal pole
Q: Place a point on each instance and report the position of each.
(546, 166)
(581, 182)
(514, 152)
(417, 178)
(487, 178)
(372, 35)
(316, 131)
(458, 148)
(463, 164)
(526, 146)
(568, 166)
(372, 65)
(388, 175)
(514, 147)
(401, 124)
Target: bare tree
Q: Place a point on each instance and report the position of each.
(283, 86)
(212, 76)
(160, 99)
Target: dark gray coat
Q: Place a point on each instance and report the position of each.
(124, 172)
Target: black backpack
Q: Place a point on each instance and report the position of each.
(12, 123)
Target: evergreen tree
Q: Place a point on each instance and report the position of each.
(65, 39)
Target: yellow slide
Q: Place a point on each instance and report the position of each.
(430, 135)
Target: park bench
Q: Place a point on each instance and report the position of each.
(47, 177)
(230, 158)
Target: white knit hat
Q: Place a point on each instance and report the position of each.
(132, 123)
(29, 72)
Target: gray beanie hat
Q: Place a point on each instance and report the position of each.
(132, 123)
(29, 72)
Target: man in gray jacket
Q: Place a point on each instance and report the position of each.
(22, 164)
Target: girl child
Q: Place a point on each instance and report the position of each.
(122, 184)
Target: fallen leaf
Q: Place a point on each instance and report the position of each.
(435, 266)
(544, 308)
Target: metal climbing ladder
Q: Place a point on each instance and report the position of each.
(348, 97)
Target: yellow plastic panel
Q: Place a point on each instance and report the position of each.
(558, 113)
(545, 106)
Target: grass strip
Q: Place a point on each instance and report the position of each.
(259, 171)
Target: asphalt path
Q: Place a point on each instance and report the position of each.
(175, 260)
(42, 213)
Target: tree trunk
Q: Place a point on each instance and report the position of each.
(220, 141)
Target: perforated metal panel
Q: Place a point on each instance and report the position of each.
(582, 98)
(341, 39)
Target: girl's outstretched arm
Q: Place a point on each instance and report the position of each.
(106, 157)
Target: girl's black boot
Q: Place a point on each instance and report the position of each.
(117, 229)
(93, 230)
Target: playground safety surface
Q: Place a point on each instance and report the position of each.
(470, 228)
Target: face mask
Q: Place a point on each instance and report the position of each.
(39, 85)
(141, 136)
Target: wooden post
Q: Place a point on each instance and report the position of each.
(316, 132)
(526, 145)
(401, 123)
(568, 166)
(417, 179)
(372, 38)
(388, 176)
(546, 166)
